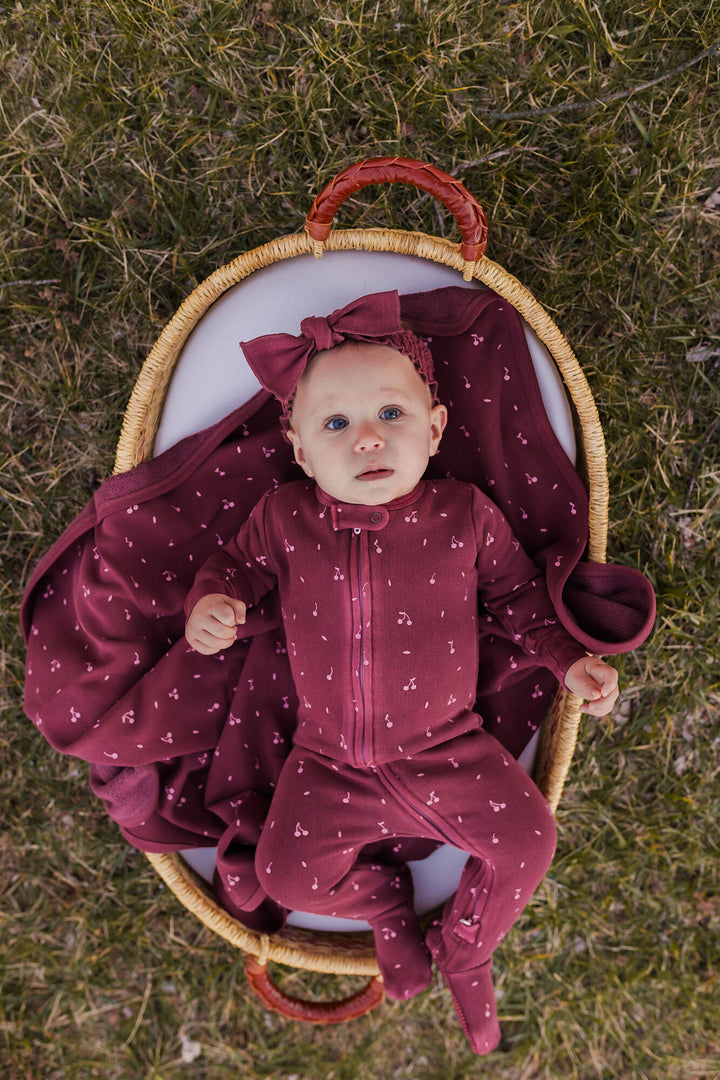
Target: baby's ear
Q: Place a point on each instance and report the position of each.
(298, 451)
(438, 422)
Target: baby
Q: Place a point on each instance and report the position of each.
(378, 572)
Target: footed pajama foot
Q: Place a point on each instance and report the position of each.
(267, 917)
(402, 955)
(473, 997)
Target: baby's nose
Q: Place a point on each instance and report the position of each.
(369, 437)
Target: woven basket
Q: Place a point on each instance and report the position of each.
(334, 953)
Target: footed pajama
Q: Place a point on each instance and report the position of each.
(380, 608)
(468, 792)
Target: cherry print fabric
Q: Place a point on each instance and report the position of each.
(468, 792)
(184, 749)
(381, 613)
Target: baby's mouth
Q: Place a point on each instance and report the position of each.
(375, 474)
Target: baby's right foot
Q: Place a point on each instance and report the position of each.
(402, 955)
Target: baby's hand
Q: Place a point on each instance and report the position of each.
(594, 681)
(211, 624)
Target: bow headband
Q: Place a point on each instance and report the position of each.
(279, 360)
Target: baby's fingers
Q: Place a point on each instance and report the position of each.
(604, 675)
(209, 640)
(596, 682)
(224, 613)
(605, 692)
(600, 706)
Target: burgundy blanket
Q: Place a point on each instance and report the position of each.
(103, 612)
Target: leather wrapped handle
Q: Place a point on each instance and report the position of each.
(311, 1012)
(464, 207)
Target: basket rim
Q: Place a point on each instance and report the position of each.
(320, 950)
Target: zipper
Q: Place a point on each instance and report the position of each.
(460, 1012)
(361, 740)
(361, 661)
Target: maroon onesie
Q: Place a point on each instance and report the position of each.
(380, 611)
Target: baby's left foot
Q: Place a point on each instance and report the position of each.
(402, 955)
(473, 997)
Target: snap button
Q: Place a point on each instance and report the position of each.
(376, 516)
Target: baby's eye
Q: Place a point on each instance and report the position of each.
(390, 413)
(337, 423)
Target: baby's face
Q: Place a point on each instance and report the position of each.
(363, 423)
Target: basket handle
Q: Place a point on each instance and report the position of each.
(464, 207)
(311, 1012)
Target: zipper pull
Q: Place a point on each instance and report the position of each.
(467, 929)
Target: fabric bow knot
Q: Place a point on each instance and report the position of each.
(279, 360)
(321, 332)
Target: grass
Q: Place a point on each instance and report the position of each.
(145, 144)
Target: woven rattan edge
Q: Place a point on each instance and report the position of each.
(558, 736)
(327, 953)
